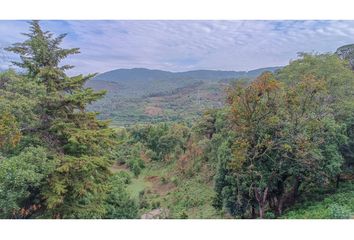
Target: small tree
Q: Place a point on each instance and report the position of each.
(118, 204)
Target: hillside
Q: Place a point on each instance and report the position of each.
(141, 95)
(281, 146)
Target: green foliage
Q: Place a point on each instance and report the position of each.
(118, 204)
(22, 179)
(286, 136)
(206, 124)
(46, 107)
(9, 132)
(143, 96)
(280, 140)
(339, 80)
(130, 153)
(77, 187)
(339, 212)
(161, 140)
(124, 176)
(136, 165)
(224, 182)
(19, 116)
(336, 205)
(192, 200)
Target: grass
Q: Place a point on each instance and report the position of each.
(186, 198)
(136, 186)
(339, 205)
(192, 199)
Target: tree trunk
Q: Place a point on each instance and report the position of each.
(261, 199)
(295, 191)
(337, 181)
(287, 198)
(253, 212)
(280, 206)
(261, 211)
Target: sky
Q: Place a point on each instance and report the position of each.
(185, 45)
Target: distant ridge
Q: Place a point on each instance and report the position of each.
(141, 95)
(118, 75)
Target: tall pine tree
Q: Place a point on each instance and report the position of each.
(74, 137)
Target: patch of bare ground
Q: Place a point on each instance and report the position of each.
(119, 167)
(144, 157)
(153, 110)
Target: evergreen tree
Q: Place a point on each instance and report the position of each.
(119, 205)
(73, 136)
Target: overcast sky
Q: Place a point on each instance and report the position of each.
(187, 45)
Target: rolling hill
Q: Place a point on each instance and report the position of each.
(142, 95)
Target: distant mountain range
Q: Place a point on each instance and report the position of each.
(141, 95)
(148, 74)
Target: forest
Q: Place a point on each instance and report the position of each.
(279, 145)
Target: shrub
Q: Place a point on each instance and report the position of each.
(125, 177)
(136, 165)
(118, 204)
(339, 212)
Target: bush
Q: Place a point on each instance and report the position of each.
(125, 177)
(339, 205)
(118, 204)
(339, 212)
(143, 202)
(21, 178)
(174, 180)
(183, 215)
(136, 165)
(155, 205)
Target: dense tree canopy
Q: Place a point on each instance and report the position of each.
(290, 131)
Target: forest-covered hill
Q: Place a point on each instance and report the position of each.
(145, 96)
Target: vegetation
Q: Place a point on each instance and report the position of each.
(54, 150)
(285, 138)
(279, 146)
(338, 205)
(137, 96)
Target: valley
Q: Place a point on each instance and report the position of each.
(136, 143)
(151, 96)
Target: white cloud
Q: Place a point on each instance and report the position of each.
(186, 45)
